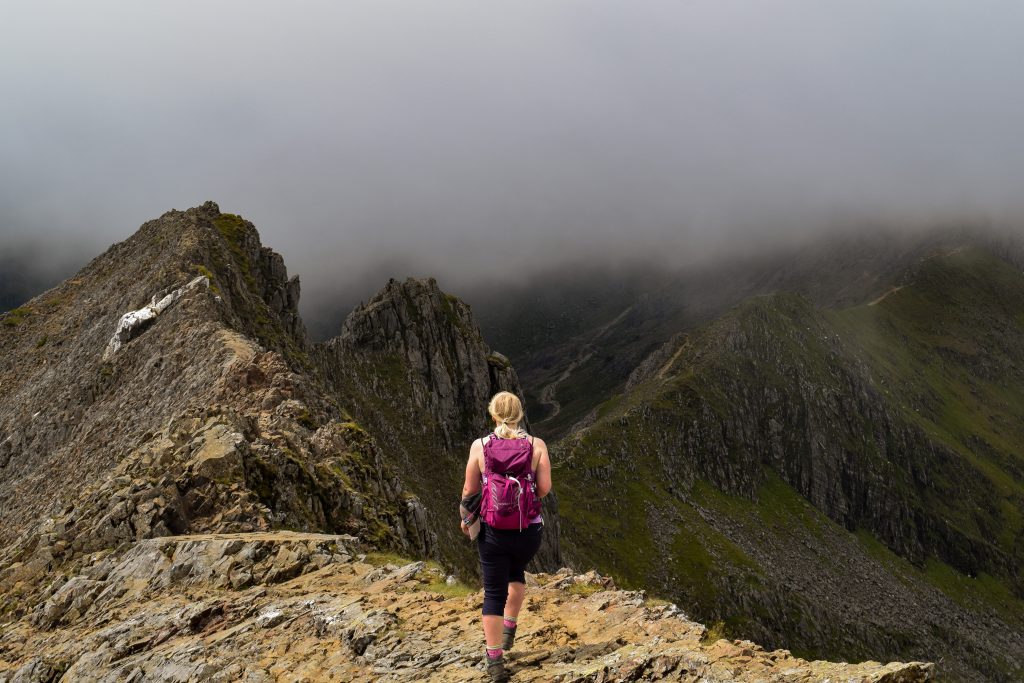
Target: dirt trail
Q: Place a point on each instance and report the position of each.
(671, 361)
(883, 297)
(547, 392)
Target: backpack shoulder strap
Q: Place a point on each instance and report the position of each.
(534, 459)
(484, 440)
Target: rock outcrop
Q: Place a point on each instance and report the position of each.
(133, 323)
(448, 372)
(285, 606)
(417, 373)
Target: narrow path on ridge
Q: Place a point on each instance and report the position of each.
(547, 392)
(883, 297)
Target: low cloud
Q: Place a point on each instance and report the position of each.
(472, 141)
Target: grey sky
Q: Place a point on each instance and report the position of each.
(445, 136)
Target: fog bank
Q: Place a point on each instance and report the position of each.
(472, 140)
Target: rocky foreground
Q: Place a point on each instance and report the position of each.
(303, 607)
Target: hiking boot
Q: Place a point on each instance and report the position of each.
(496, 670)
(508, 636)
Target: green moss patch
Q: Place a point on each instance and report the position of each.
(379, 559)
(17, 316)
(585, 589)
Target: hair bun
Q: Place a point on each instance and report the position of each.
(507, 410)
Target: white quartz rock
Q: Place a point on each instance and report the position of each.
(133, 320)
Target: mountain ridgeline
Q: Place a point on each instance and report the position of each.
(832, 467)
(205, 419)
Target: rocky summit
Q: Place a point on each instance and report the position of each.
(192, 490)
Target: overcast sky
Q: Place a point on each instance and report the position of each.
(454, 138)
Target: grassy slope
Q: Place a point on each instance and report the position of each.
(945, 353)
(949, 351)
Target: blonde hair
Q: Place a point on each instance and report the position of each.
(506, 409)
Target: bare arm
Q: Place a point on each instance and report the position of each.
(472, 484)
(543, 468)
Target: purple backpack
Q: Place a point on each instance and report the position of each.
(509, 488)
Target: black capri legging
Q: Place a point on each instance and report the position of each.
(504, 555)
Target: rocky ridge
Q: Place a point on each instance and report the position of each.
(215, 415)
(287, 606)
(209, 418)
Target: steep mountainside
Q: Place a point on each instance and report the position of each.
(810, 464)
(189, 488)
(228, 363)
(207, 416)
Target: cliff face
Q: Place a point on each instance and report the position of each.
(781, 390)
(415, 369)
(449, 372)
(900, 420)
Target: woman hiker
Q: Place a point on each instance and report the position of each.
(507, 474)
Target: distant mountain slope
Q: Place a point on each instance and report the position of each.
(28, 268)
(15, 287)
(577, 334)
(901, 420)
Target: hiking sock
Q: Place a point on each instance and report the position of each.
(508, 632)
